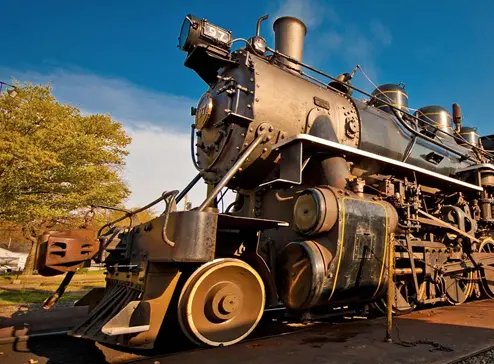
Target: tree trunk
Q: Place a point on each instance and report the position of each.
(30, 260)
(31, 233)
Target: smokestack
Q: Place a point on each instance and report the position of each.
(289, 33)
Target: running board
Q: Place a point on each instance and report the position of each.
(291, 147)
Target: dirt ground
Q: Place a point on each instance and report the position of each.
(429, 336)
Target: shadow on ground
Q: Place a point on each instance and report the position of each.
(422, 337)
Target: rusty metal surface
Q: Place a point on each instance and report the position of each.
(192, 231)
(116, 298)
(65, 251)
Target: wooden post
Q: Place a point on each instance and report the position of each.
(390, 292)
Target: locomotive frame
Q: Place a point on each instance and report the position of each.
(328, 187)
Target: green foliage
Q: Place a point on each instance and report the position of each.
(25, 296)
(54, 160)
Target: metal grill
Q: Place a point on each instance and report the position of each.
(117, 296)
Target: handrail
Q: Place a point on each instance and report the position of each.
(161, 198)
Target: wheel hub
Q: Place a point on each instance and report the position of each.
(224, 302)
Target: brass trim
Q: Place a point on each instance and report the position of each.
(393, 92)
(204, 110)
(395, 105)
(436, 113)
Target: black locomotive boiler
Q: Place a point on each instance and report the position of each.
(328, 186)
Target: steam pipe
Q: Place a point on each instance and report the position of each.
(390, 291)
(415, 132)
(335, 168)
(259, 21)
(457, 117)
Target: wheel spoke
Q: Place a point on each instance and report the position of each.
(487, 275)
(403, 301)
(458, 287)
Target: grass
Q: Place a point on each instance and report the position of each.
(37, 289)
(90, 272)
(23, 297)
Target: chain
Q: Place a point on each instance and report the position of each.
(434, 346)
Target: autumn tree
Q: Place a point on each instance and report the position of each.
(54, 161)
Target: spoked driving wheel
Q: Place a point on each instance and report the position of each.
(458, 287)
(404, 298)
(221, 303)
(487, 274)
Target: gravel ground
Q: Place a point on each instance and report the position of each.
(485, 358)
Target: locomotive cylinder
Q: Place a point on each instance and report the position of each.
(315, 211)
(345, 229)
(289, 39)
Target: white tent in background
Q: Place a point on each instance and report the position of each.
(12, 260)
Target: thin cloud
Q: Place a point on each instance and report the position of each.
(158, 123)
(355, 43)
(381, 33)
(311, 12)
(126, 102)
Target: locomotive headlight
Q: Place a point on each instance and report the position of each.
(204, 110)
(195, 32)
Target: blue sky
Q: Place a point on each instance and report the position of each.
(121, 57)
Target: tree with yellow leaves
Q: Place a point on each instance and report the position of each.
(55, 161)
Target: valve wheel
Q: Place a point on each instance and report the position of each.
(221, 303)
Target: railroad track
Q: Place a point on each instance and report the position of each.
(484, 355)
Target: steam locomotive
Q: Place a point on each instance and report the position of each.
(330, 190)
